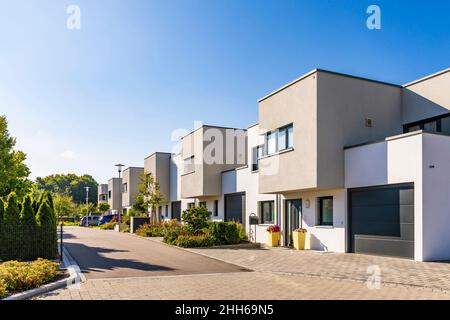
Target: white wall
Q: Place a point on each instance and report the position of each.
(401, 158)
(325, 238)
(436, 197)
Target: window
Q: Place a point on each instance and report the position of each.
(277, 140)
(271, 143)
(216, 208)
(189, 165)
(125, 188)
(267, 212)
(326, 211)
(102, 197)
(202, 204)
(439, 124)
(109, 194)
(167, 210)
(191, 205)
(257, 153)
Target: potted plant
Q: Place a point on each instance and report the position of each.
(299, 236)
(273, 237)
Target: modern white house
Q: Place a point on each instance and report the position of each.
(362, 165)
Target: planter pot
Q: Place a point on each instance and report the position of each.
(273, 239)
(299, 240)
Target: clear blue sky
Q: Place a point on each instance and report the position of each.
(114, 91)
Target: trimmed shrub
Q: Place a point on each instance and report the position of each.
(20, 276)
(156, 229)
(196, 218)
(195, 241)
(12, 213)
(108, 226)
(2, 211)
(227, 232)
(27, 216)
(44, 214)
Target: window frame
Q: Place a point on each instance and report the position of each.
(320, 212)
(203, 204)
(261, 213)
(216, 208)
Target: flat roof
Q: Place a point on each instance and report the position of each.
(314, 71)
(157, 153)
(211, 126)
(427, 77)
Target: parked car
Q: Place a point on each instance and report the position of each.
(107, 218)
(92, 221)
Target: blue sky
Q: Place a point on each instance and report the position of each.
(114, 91)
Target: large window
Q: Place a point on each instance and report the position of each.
(189, 165)
(440, 124)
(278, 140)
(266, 209)
(257, 153)
(326, 211)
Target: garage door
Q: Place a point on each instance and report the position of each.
(235, 207)
(382, 220)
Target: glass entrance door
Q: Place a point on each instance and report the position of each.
(293, 219)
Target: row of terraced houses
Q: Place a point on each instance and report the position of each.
(363, 165)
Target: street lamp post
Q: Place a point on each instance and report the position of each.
(87, 206)
(119, 169)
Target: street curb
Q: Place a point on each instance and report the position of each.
(70, 266)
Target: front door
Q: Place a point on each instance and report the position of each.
(292, 219)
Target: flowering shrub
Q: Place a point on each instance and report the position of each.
(274, 228)
(156, 229)
(20, 276)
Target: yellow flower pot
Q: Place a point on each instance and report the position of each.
(273, 239)
(299, 240)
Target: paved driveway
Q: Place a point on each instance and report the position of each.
(105, 254)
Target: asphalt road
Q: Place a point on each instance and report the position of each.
(107, 254)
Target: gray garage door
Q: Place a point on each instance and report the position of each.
(235, 207)
(382, 220)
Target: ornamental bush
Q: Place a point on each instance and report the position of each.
(227, 232)
(20, 276)
(196, 218)
(156, 229)
(12, 213)
(195, 240)
(27, 215)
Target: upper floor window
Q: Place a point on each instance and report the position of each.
(278, 140)
(109, 194)
(257, 152)
(189, 165)
(125, 187)
(440, 124)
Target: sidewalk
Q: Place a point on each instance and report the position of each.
(327, 265)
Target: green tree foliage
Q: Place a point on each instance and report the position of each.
(70, 184)
(103, 207)
(64, 205)
(196, 218)
(13, 171)
(27, 215)
(149, 190)
(44, 214)
(2, 211)
(139, 204)
(12, 213)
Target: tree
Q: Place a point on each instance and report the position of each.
(2, 211)
(27, 216)
(64, 205)
(196, 218)
(70, 184)
(12, 213)
(138, 204)
(150, 191)
(103, 207)
(13, 171)
(44, 214)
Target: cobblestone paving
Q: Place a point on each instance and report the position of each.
(435, 275)
(230, 286)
